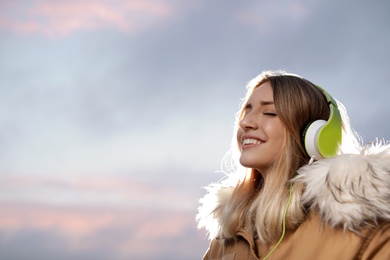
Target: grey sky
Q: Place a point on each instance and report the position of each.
(147, 94)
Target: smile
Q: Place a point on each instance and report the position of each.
(250, 141)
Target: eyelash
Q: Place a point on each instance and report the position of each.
(270, 114)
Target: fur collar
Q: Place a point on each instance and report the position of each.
(349, 190)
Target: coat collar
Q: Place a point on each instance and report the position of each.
(349, 190)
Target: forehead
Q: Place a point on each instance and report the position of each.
(262, 93)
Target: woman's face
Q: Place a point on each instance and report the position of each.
(261, 134)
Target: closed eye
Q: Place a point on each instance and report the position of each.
(270, 114)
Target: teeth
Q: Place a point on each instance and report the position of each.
(251, 141)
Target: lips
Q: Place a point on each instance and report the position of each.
(248, 141)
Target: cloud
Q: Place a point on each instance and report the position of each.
(76, 232)
(270, 16)
(59, 18)
(152, 111)
(97, 191)
(99, 217)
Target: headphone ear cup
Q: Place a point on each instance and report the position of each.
(310, 138)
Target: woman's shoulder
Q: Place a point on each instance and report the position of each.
(314, 239)
(349, 190)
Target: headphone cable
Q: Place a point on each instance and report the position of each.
(284, 223)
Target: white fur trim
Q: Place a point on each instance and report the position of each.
(217, 196)
(349, 189)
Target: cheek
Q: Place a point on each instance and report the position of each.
(239, 134)
(279, 134)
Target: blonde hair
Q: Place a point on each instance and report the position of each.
(297, 102)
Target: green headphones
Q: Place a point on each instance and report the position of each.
(322, 138)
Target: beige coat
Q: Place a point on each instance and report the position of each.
(341, 191)
(310, 241)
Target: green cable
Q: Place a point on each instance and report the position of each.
(284, 224)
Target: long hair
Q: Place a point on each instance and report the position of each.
(297, 103)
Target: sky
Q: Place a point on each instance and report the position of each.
(115, 114)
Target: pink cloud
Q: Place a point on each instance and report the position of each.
(265, 15)
(17, 216)
(127, 232)
(54, 18)
(86, 213)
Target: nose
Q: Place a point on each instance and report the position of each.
(248, 122)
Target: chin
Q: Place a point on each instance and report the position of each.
(253, 162)
(249, 164)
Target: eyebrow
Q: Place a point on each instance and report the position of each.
(262, 103)
(266, 103)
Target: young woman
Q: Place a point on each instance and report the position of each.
(303, 186)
